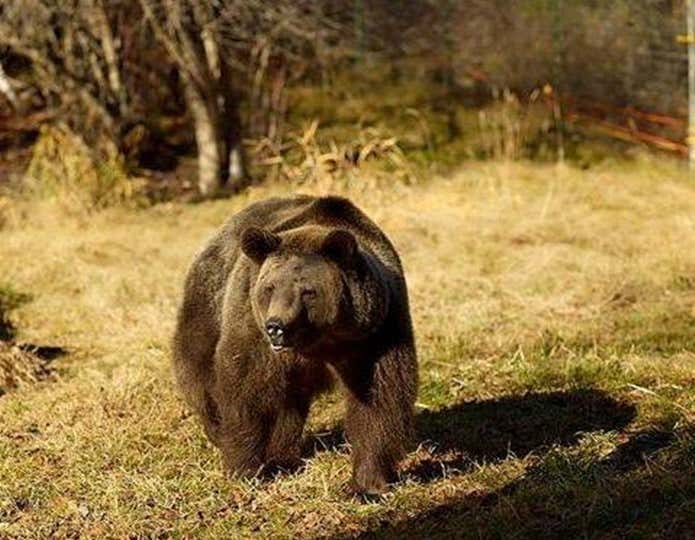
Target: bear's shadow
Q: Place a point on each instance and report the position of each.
(491, 430)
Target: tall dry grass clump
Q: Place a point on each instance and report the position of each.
(18, 364)
(65, 170)
(373, 158)
(508, 128)
(19, 367)
(5, 211)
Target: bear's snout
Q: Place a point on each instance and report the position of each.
(276, 333)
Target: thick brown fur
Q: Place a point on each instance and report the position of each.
(321, 269)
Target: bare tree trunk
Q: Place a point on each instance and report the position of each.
(228, 119)
(237, 167)
(110, 54)
(231, 138)
(193, 42)
(210, 167)
(6, 89)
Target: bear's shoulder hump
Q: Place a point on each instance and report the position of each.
(334, 206)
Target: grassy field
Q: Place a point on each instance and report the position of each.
(555, 315)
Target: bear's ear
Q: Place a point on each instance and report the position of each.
(339, 245)
(258, 243)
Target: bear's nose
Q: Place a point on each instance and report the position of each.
(275, 329)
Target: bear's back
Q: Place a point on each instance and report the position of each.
(281, 215)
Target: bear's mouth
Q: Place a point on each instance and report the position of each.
(277, 348)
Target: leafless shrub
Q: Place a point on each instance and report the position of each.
(78, 61)
(112, 68)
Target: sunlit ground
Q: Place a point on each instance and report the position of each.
(555, 315)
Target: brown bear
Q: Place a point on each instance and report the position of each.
(289, 295)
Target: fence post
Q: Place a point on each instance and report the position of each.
(690, 4)
(358, 12)
(558, 73)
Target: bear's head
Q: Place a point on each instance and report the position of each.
(301, 296)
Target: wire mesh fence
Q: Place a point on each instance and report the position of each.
(623, 63)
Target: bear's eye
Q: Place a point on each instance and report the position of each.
(269, 288)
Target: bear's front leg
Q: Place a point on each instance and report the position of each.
(243, 392)
(379, 422)
(242, 439)
(259, 423)
(284, 445)
(374, 452)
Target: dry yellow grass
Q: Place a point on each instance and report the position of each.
(554, 312)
